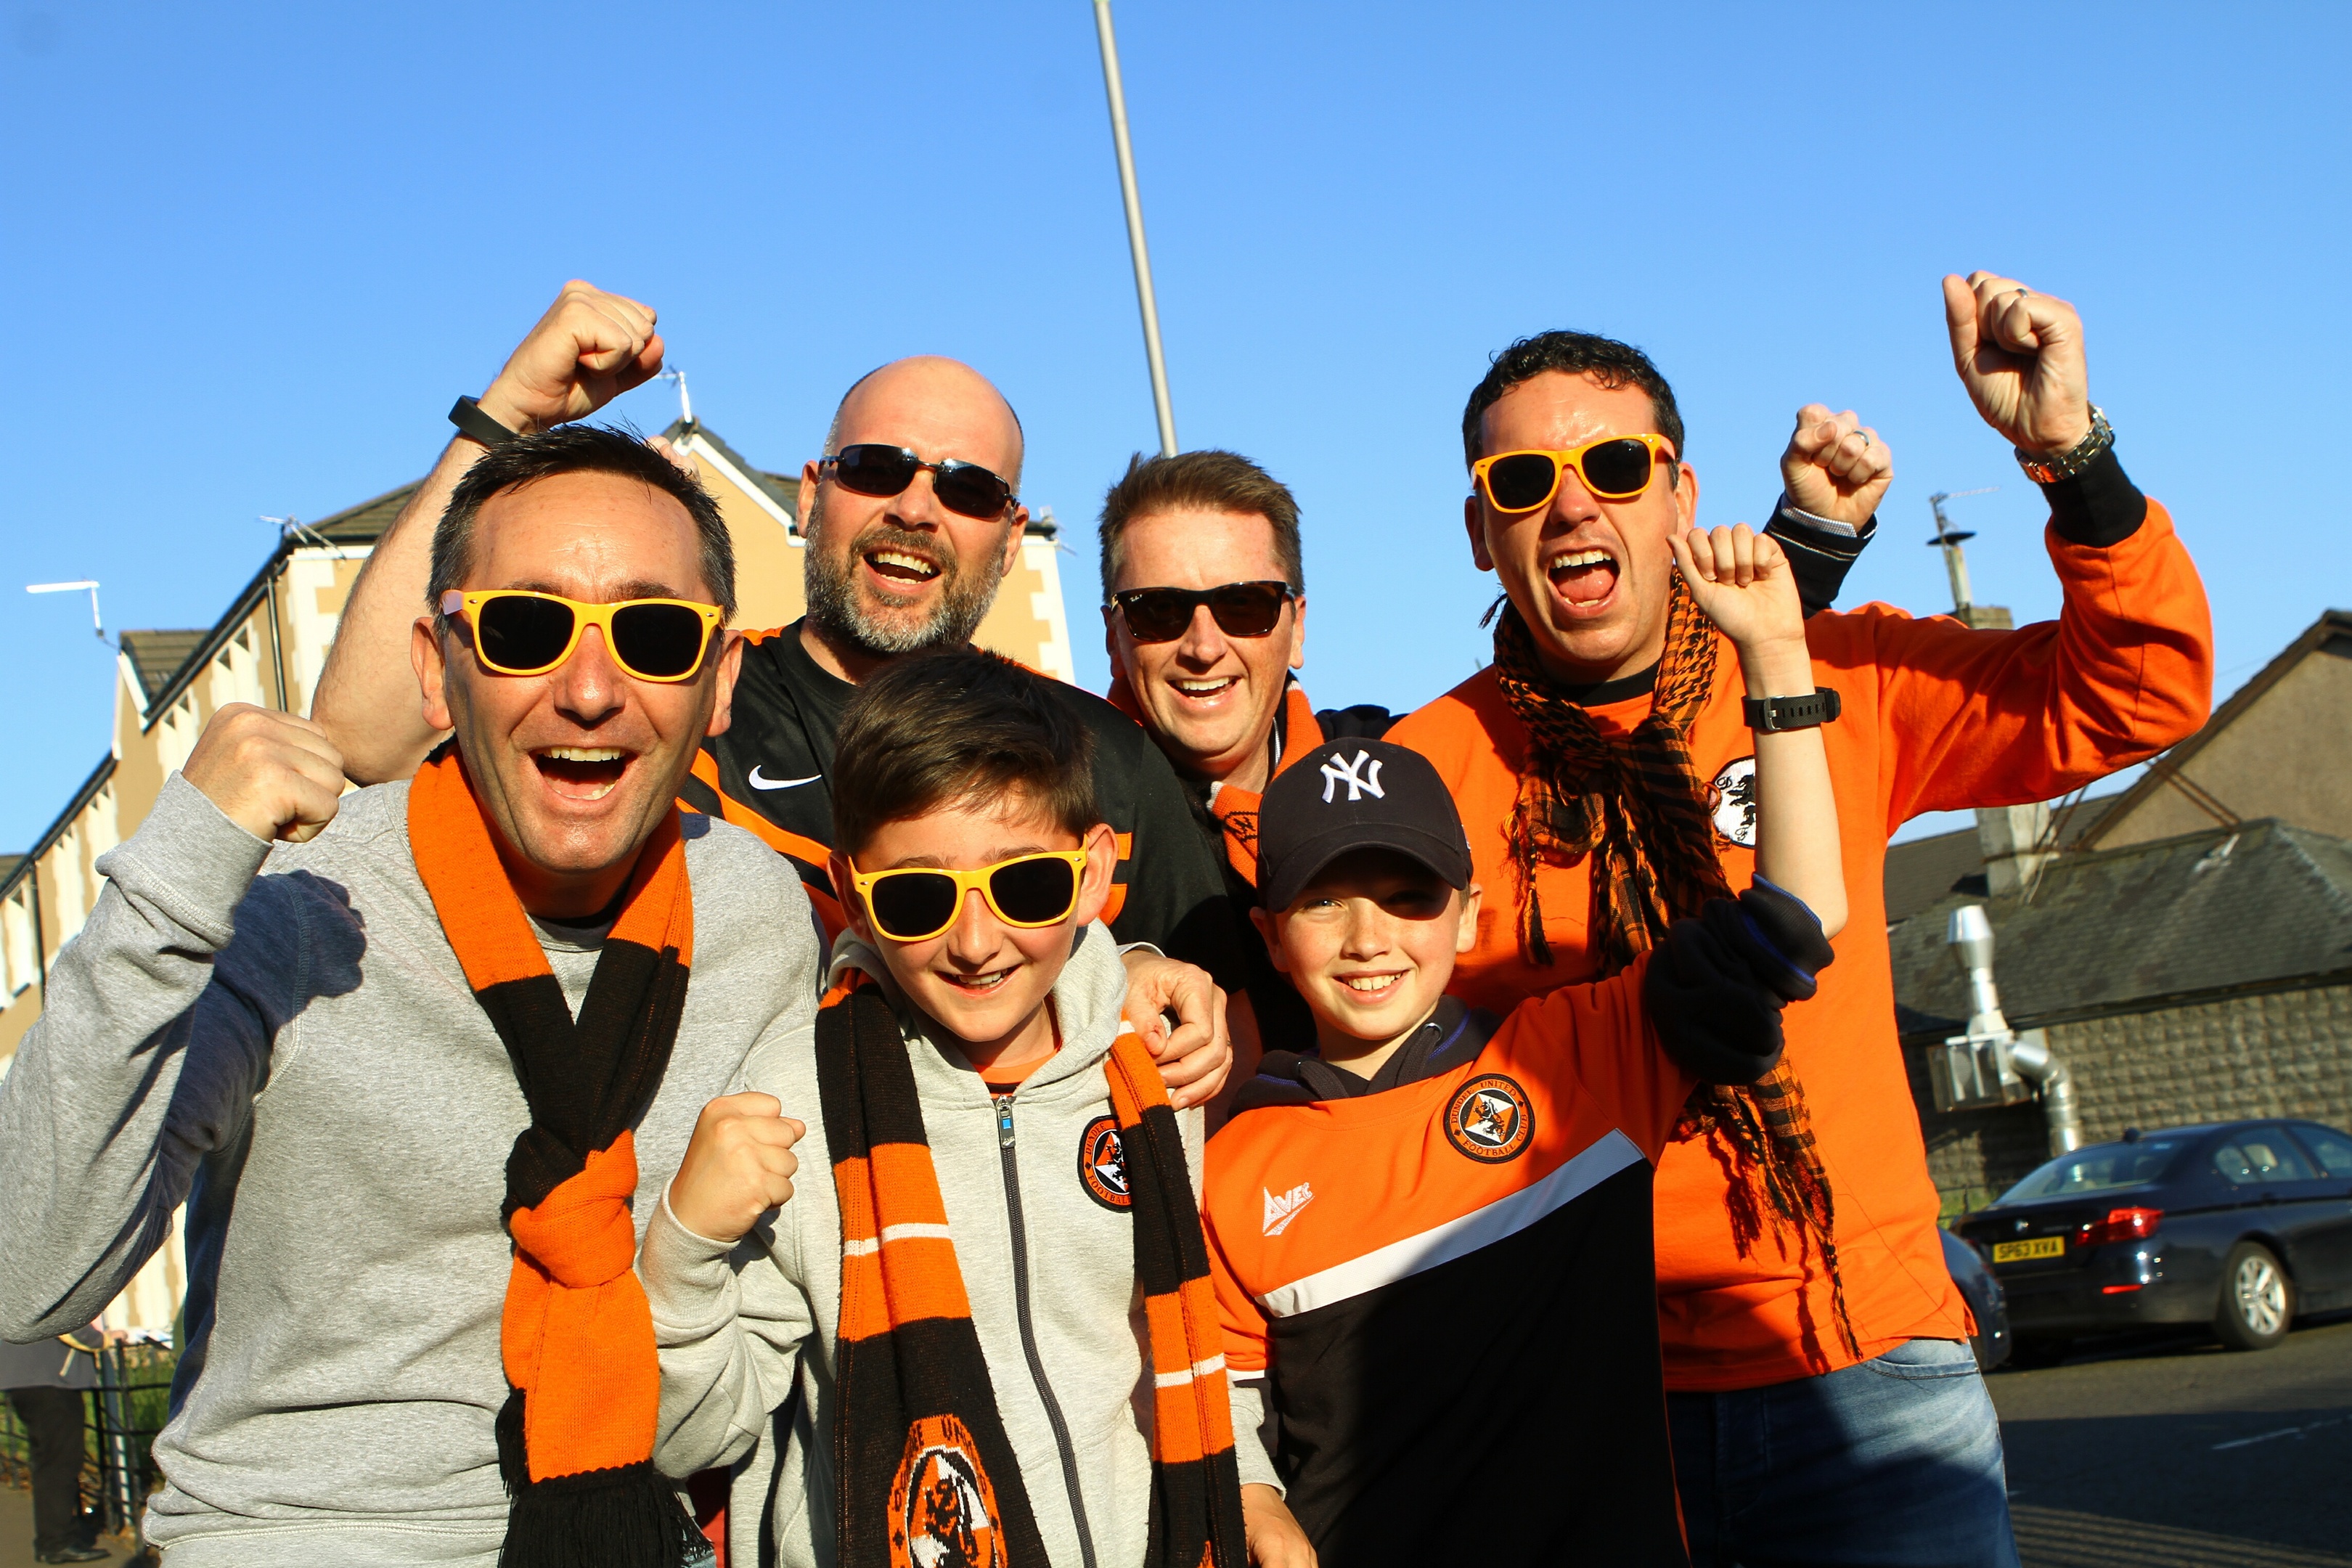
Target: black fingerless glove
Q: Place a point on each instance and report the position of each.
(1717, 982)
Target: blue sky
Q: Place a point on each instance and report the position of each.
(252, 252)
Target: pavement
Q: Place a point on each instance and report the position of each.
(17, 1531)
(2174, 1452)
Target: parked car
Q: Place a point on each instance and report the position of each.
(1983, 1294)
(2240, 1224)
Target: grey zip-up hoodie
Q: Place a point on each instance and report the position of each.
(292, 1047)
(1049, 1268)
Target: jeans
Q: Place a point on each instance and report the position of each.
(1895, 1462)
(53, 1428)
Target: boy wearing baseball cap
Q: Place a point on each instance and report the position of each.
(1429, 1227)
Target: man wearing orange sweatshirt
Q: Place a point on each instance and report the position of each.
(1824, 1403)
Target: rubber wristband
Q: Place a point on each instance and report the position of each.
(467, 414)
(1772, 715)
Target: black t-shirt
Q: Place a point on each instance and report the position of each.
(767, 772)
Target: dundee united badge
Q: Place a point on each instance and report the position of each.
(943, 1508)
(1731, 801)
(1102, 1164)
(1489, 1119)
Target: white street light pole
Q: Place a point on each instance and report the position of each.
(95, 624)
(1135, 230)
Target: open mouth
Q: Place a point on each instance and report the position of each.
(1372, 987)
(978, 985)
(1583, 578)
(1203, 688)
(583, 772)
(901, 567)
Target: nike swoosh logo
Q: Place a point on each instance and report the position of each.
(756, 781)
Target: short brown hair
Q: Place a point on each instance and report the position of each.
(1608, 361)
(955, 727)
(1206, 481)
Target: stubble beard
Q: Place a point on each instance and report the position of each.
(838, 609)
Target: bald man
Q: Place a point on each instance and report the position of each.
(911, 518)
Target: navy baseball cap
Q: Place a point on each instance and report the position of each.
(1346, 795)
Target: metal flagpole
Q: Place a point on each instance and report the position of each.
(1135, 230)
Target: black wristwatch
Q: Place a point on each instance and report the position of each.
(1771, 715)
(468, 417)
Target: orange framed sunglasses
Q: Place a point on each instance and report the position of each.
(916, 903)
(519, 632)
(1614, 467)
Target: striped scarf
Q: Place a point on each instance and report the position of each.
(576, 1435)
(919, 1449)
(1637, 807)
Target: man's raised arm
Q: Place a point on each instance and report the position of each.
(589, 348)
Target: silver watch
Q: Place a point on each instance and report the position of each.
(2043, 470)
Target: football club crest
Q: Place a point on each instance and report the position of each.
(1102, 1164)
(943, 1507)
(1490, 1119)
(1731, 801)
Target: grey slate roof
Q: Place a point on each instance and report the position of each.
(156, 657)
(1922, 870)
(2108, 931)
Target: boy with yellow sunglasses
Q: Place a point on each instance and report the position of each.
(954, 1235)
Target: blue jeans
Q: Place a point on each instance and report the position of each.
(1895, 1462)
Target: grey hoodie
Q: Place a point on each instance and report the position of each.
(1049, 1268)
(297, 1055)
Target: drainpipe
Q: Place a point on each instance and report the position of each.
(2028, 1055)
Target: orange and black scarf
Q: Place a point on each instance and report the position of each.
(1236, 810)
(576, 1435)
(1637, 807)
(919, 1449)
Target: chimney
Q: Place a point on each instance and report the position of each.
(2010, 838)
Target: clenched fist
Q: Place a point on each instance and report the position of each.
(588, 349)
(1743, 580)
(273, 774)
(1836, 466)
(2019, 354)
(739, 1166)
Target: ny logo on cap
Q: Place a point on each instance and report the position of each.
(1361, 780)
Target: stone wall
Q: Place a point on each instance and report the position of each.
(2278, 1053)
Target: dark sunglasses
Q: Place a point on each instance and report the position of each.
(915, 904)
(871, 469)
(517, 632)
(1615, 468)
(1240, 609)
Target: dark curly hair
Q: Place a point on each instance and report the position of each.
(1605, 360)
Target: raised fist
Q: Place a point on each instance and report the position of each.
(1743, 582)
(588, 349)
(1836, 467)
(273, 774)
(739, 1165)
(2019, 354)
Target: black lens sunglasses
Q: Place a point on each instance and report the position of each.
(871, 469)
(1240, 609)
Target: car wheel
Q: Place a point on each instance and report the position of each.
(2257, 1298)
(2028, 1355)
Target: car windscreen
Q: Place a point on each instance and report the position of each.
(2101, 1168)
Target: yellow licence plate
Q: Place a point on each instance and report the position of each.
(2040, 1246)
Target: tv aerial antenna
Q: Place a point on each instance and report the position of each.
(1950, 539)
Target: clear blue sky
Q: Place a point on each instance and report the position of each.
(252, 252)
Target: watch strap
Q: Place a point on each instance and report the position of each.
(467, 414)
(2043, 469)
(1805, 711)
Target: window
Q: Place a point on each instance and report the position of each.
(2334, 1149)
(2263, 1154)
(2098, 1170)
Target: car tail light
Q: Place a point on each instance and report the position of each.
(2121, 1225)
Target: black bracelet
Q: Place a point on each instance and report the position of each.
(468, 417)
(1771, 715)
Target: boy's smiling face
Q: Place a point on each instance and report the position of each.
(985, 981)
(1370, 943)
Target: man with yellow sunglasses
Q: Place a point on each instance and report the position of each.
(1823, 1401)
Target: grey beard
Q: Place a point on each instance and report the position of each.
(836, 610)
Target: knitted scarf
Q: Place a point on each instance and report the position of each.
(1637, 807)
(919, 1451)
(576, 1435)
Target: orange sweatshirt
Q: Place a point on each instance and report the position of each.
(1937, 717)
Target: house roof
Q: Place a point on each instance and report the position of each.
(156, 657)
(2332, 627)
(1923, 870)
(2223, 910)
(55, 831)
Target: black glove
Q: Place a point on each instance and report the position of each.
(1717, 982)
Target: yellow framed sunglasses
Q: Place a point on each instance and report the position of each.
(519, 632)
(916, 903)
(1614, 467)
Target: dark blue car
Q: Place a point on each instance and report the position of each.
(2240, 1224)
